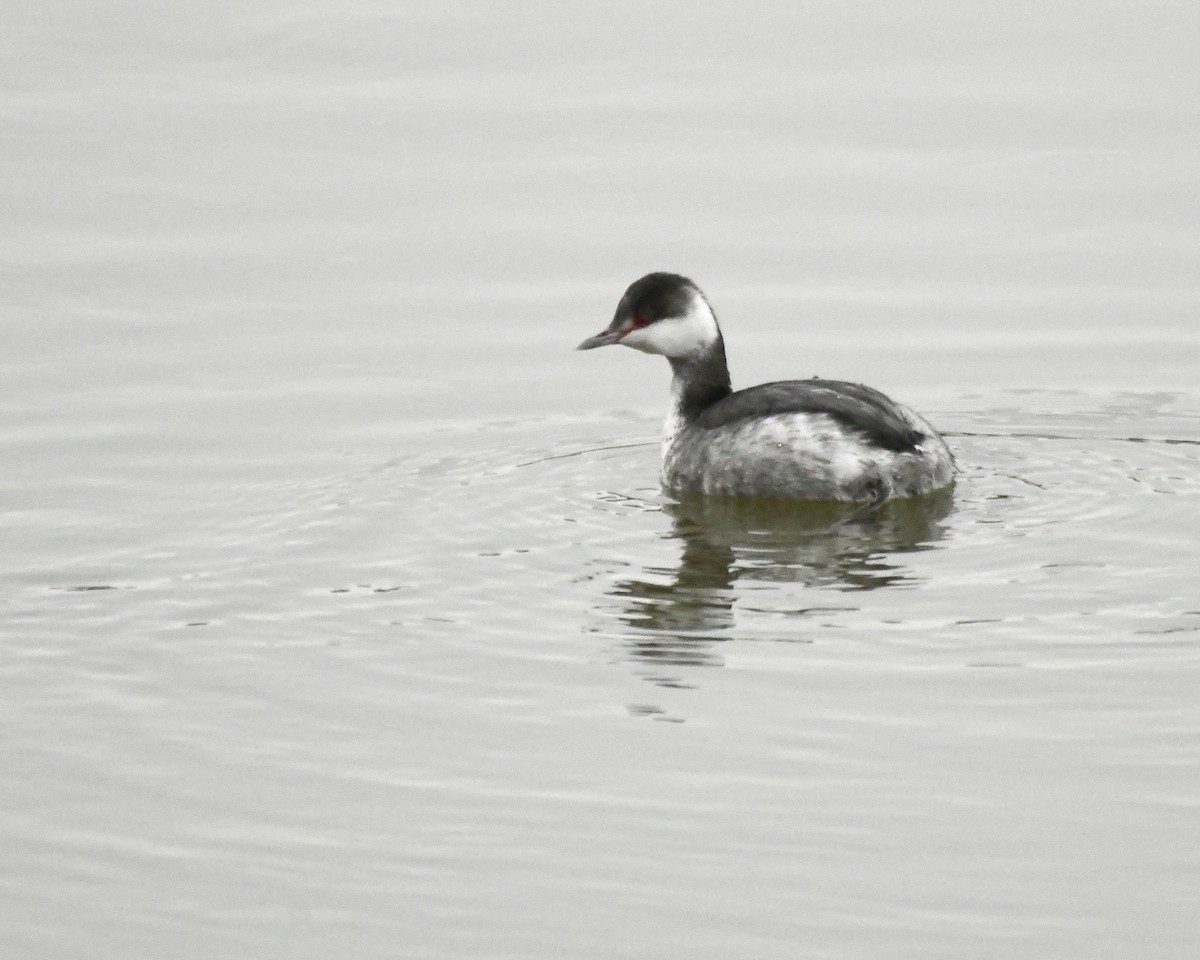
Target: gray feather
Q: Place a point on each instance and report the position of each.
(862, 408)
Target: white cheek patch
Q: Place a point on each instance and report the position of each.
(677, 336)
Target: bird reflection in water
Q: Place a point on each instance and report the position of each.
(676, 617)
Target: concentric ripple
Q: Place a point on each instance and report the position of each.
(1068, 525)
(1071, 528)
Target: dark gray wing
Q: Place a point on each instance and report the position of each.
(861, 408)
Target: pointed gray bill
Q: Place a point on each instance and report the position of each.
(600, 340)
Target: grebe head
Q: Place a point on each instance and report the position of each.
(661, 313)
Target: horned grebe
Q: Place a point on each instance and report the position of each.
(794, 439)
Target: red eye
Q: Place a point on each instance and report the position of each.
(640, 320)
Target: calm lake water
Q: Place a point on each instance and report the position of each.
(340, 612)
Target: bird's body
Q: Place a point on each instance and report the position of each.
(794, 439)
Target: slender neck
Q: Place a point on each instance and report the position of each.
(700, 380)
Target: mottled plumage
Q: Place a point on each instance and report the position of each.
(853, 405)
(793, 439)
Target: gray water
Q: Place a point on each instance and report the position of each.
(340, 612)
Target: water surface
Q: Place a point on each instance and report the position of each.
(340, 612)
